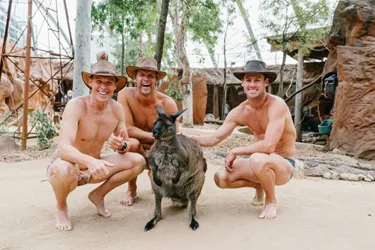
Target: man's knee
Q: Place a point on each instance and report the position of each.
(138, 163)
(63, 170)
(258, 162)
(221, 179)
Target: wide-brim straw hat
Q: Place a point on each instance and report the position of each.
(145, 63)
(104, 68)
(256, 66)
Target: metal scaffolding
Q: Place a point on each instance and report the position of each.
(64, 55)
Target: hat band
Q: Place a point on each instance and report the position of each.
(104, 72)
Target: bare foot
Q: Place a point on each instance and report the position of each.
(258, 198)
(269, 211)
(62, 220)
(99, 203)
(130, 197)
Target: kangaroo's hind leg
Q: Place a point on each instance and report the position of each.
(192, 212)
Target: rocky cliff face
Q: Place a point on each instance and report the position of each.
(352, 55)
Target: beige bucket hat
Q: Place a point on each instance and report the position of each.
(146, 63)
(104, 68)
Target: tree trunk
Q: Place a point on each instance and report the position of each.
(123, 50)
(212, 56)
(216, 102)
(82, 46)
(254, 41)
(140, 44)
(179, 29)
(161, 31)
(298, 101)
(281, 83)
(225, 73)
(188, 103)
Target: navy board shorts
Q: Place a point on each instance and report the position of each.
(291, 161)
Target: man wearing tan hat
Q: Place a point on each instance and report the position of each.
(272, 157)
(140, 104)
(88, 122)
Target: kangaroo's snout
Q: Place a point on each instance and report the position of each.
(156, 133)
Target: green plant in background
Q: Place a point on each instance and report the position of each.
(3, 125)
(175, 95)
(44, 129)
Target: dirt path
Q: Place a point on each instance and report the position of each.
(313, 214)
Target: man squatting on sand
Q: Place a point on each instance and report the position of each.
(272, 156)
(88, 122)
(139, 104)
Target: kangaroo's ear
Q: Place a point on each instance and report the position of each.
(160, 111)
(177, 114)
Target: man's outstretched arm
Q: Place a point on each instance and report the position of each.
(221, 133)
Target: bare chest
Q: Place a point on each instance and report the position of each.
(97, 128)
(256, 121)
(143, 117)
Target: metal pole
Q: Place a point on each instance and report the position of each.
(27, 77)
(70, 32)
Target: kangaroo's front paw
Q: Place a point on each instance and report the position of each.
(157, 182)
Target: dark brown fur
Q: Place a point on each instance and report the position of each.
(177, 167)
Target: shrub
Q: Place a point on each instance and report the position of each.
(44, 129)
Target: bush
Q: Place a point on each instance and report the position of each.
(44, 129)
(3, 125)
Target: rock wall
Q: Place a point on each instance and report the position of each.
(6, 89)
(352, 46)
(199, 98)
(354, 115)
(42, 90)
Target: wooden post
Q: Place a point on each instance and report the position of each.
(27, 77)
(188, 119)
(215, 109)
(269, 88)
(298, 101)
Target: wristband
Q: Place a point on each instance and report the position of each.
(124, 146)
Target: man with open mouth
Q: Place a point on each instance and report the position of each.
(139, 104)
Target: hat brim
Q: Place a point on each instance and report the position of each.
(268, 74)
(121, 80)
(130, 70)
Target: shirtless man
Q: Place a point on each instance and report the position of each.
(88, 122)
(140, 104)
(272, 156)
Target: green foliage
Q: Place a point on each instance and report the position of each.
(293, 20)
(3, 128)
(204, 22)
(131, 19)
(175, 95)
(44, 129)
(120, 15)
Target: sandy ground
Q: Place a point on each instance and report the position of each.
(313, 214)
